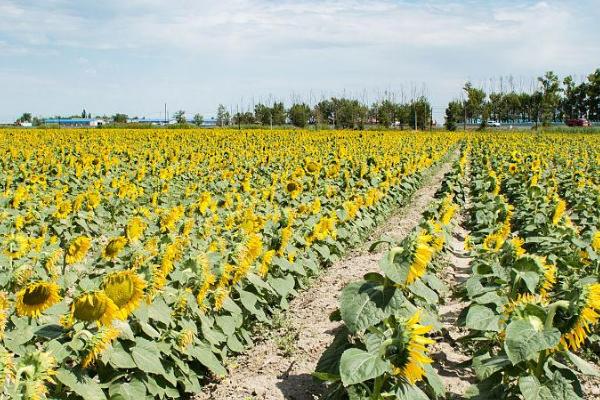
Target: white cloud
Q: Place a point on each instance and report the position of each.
(234, 48)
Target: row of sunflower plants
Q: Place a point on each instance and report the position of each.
(380, 351)
(135, 263)
(534, 298)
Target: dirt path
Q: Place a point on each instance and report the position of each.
(451, 362)
(280, 367)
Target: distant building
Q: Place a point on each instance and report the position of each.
(25, 124)
(151, 121)
(93, 122)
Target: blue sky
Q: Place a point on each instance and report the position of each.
(132, 56)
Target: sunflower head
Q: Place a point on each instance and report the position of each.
(125, 289)
(78, 249)
(36, 298)
(576, 323)
(493, 242)
(408, 354)
(114, 247)
(94, 307)
(16, 246)
(293, 188)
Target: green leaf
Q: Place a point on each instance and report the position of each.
(329, 362)
(486, 365)
(362, 305)
(249, 301)
(531, 389)
(585, 367)
(525, 338)
(482, 318)
(418, 288)
(82, 386)
(434, 381)
(146, 357)
(134, 390)
(410, 392)
(208, 359)
(358, 366)
(120, 358)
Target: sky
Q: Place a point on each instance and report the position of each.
(133, 56)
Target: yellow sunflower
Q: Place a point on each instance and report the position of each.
(98, 344)
(114, 247)
(125, 289)
(78, 249)
(135, 229)
(421, 257)
(588, 317)
(16, 246)
(94, 307)
(36, 298)
(415, 351)
(293, 188)
(559, 211)
(596, 241)
(549, 278)
(493, 242)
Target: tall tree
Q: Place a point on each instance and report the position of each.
(550, 91)
(223, 116)
(198, 119)
(299, 114)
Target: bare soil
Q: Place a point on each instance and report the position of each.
(277, 368)
(450, 361)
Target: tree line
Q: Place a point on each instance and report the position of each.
(341, 113)
(552, 100)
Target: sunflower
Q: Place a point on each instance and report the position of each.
(517, 244)
(493, 242)
(423, 253)
(36, 298)
(16, 246)
(596, 241)
(549, 278)
(412, 355)
(588, 316)
(94, 306)
(63, 209)
(312, 167)
(39, 368)
(114, 247)
(559, 211)
(185, 338)
(293, 188)
(98, 344)
(125, 289)
(77, 249)
(135, 229)
(4, 312)
(512, 168)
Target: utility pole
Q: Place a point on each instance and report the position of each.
(165, 113)
(415, 107)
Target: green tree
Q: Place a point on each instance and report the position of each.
(593, 95)
(475, 102)
(453, 113)
(299, 114)
(26, 117)
(119, 118)
(180, 117)
(550, 91)
(223, 117)
(198, 119)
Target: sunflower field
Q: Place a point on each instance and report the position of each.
(133, 263)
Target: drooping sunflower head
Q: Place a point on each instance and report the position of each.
(409, 354)
(582, 315)
(78, 249)
(517, 246)
(114, 247)
(16, 246)
(596, 241)
(135, 229)
(94, 307)
(421, 256)
(98, 343)
(559, 211)
(125, 289)
(36, 298)
(547, 283)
